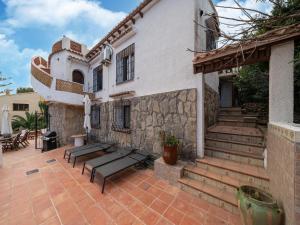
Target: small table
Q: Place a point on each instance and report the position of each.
(78, 139)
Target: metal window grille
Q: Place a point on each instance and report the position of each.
(121, 116)
(20, 107)
(95, 116)
(210, 37)
(125, 64)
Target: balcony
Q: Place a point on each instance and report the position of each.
(54, 89)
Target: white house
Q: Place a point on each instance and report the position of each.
(140, 77)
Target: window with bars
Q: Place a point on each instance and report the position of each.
(97, 79)
(210, 36)
(20, 107)
(125, 65)
(121, 117)
(95, 116)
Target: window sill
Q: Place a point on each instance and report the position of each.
(122, 130)
(124, 82)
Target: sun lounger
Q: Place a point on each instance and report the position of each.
(76, 149)
(119, 165)
(92, 164)
(104, 147)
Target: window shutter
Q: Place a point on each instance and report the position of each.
(119, 73)
(95, 116)
(95, 80)
(99, 79)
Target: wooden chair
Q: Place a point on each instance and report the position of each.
(23, 140)
(11, 143)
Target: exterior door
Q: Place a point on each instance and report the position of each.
(226, 94)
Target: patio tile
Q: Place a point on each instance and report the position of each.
(187, 220)
(137, 208)
(59, 194)
(150, 217)
(159, 206)
(166, 198)
(174, 215)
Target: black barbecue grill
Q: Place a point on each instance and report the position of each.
(49, 141)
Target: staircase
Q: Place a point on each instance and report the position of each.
(233, 157)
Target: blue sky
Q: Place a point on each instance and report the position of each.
(30, 27)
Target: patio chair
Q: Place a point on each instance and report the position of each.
(11, 143)
(23, 140)
(103, 147)
(93, 164)
(76, 149)
(120, 165)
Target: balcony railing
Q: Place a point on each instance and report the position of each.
(62, 85)
(37, 71)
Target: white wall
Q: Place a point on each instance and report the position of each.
(281, 90)
(162, 62)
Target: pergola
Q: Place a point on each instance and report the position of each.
(277, 47)
(283, 151)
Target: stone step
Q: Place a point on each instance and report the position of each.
(222, 182)
(231, 111)
(243, 172)
(236, 122)
(218, 197)
(237, 156)
(235, 146)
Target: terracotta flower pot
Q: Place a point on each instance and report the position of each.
(170, 155)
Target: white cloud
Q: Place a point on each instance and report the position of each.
(265, 7)
(59, 13)
(15, 63)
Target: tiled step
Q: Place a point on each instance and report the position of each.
(243, 131)
(254, 175)
(222, 182)
(237, 156)
(230, 111)
(236, 116)
(235, 137)
(235, 146)
(211, 194)
(236, 122)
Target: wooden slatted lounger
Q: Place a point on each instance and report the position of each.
(104, 147)
(119, 165)
(92, 164)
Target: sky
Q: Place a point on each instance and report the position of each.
(30, 27)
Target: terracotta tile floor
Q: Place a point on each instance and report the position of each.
(59, 194)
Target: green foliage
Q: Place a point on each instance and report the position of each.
(24, 90)
(27, 122)
(253, 83)
(171, 141)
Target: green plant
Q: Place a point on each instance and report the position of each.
(171, 141)
(27, 122)
(24, 90)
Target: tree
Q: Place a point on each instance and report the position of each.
(24, 90)
(27, 122)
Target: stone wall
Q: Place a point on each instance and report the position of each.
(172, 112)
(211, 106)
(66, 120)
(284, 171)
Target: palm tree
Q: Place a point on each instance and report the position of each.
(27, 122)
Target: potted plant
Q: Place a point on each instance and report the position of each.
(258, 207)
(170, 149)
